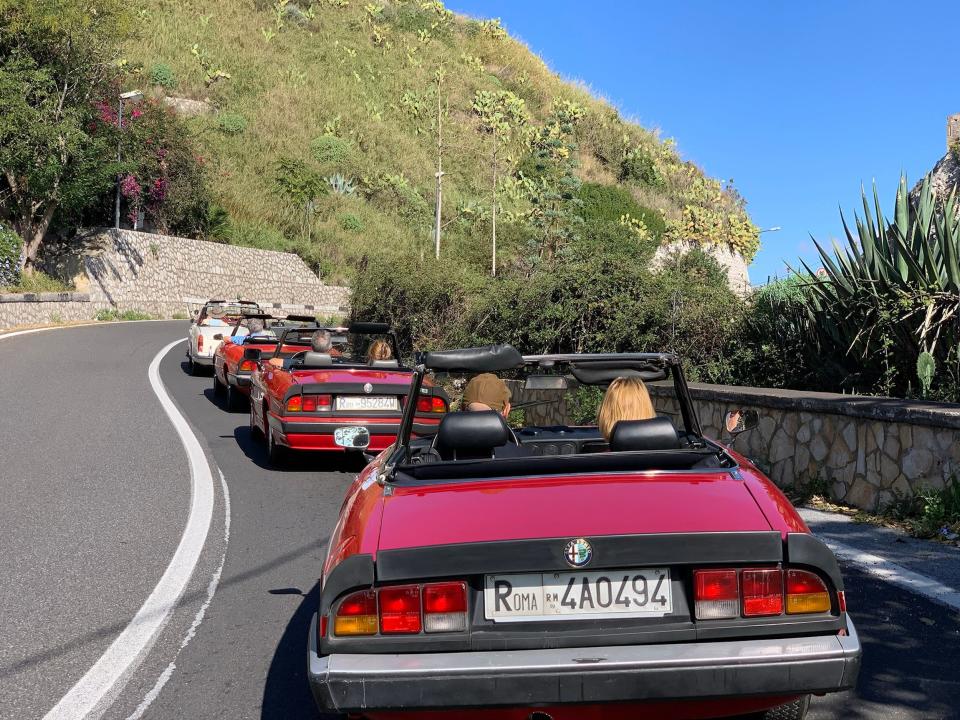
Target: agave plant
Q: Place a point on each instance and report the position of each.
(894, 291)
(341, 185)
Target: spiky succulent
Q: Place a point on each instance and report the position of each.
(341, 185)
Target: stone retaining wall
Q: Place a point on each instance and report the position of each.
(865, 448)
(46, 308)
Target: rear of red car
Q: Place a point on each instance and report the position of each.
(580, 597)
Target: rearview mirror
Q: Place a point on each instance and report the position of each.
(545, 382)
(738, 421)
(352, 438)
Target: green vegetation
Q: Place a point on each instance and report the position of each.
(35, 282)
(162, 75)
(10, 247)
(331, 88)
(928, 510)
(115, 315)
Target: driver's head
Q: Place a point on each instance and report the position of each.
(321, 341)
(487, 392)
(255, 325)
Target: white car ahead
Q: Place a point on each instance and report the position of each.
(213, 320)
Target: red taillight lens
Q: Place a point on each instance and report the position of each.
(295, 404)
(400, 609)
(357, 614)
(445, 607)
(248, 366)
(431, 405)
(317, 403)
(199, 343)
(762, 592)
(716, 594)
(806, 593)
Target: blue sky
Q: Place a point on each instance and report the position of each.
(798, 102)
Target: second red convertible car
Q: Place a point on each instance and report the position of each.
(547, 573)
(302, 400)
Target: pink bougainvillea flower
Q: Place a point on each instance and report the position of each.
(137, 112)
(129, 187)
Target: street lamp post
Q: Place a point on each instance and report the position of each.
(131, 96)
(775, 228)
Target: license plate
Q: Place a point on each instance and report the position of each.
(577, 595)
(367, 402)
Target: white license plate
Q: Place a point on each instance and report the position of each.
(367, 402)
(577, 595)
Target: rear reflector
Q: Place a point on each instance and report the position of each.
(762, 592)
(295, 404)
(317, 403)
(199, 343)
(431, 405)
(400, 609)
(716, 594)
(806, 593)
(445, 607)
(357, 614)
(248, 366)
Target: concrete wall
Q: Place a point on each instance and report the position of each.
(865, 447)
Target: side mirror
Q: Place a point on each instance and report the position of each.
(251, 354)
(218, 336)
(352, 438)
(738, 421)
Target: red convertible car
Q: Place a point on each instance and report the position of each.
(235, 359)
(304, 400)
(546, 573)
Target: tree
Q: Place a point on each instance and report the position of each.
(58, 57)
(301, 185)
(500, 114)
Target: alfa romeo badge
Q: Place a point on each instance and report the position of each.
(578, 552)
(368, 388)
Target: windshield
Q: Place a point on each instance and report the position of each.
(344, 347)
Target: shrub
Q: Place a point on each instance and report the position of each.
(10, 248)
(351, 223)
(610, 203)
(329, 150)
(37, 282)
(162, 74)
(232, 123)
(126, 315)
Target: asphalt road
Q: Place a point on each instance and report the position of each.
(95, 493)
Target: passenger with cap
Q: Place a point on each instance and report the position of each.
(487, 392)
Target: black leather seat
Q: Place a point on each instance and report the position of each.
(656, 433)
(472, 435)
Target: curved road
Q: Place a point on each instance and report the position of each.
(96, 492)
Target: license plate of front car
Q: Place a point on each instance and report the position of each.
(529, 597)
(367, 402)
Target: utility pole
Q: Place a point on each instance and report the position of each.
(436, 223)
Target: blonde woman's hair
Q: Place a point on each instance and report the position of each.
(626, 399)
(379, 350)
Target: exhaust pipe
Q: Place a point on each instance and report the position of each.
(540, 716)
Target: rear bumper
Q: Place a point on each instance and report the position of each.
(317, 434)
(205, 360)
(727, 669)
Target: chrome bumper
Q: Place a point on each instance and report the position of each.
(783, 666)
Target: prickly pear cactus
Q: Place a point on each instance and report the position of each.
(926, 368)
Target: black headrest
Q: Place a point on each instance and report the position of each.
(384, 364)
(471, 434)
(315, 360)
(654, 434)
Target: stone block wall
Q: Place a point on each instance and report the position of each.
(45, 308)
(160, 274)
(865, 448)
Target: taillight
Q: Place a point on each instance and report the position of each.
(248, 366)
(445, 607)
(357, 614)
(199, 343)
(806, 593)
(762, 592)
(400, 609)
(317, 403)
(295, 404)
(716, 594)
(434, 404)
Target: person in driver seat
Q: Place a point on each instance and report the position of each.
(486, 392)
(626, 399)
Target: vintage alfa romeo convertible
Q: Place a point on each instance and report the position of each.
(545, 573)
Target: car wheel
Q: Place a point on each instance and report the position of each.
(234, 398)
(255, 432)
(277, 453)
(218, 387)
(192, 367)
(797, 710)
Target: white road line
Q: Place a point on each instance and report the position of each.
(15, 333)
(896, 574)
(211, 589)
(94, 692)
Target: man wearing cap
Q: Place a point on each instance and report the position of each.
(487, 392)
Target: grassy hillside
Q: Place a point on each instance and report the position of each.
(347, 88)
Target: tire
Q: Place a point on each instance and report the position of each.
(255, 432)
(192, 367)
(277, 454)
(797, 710)
(234, 398)
(218, 387)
